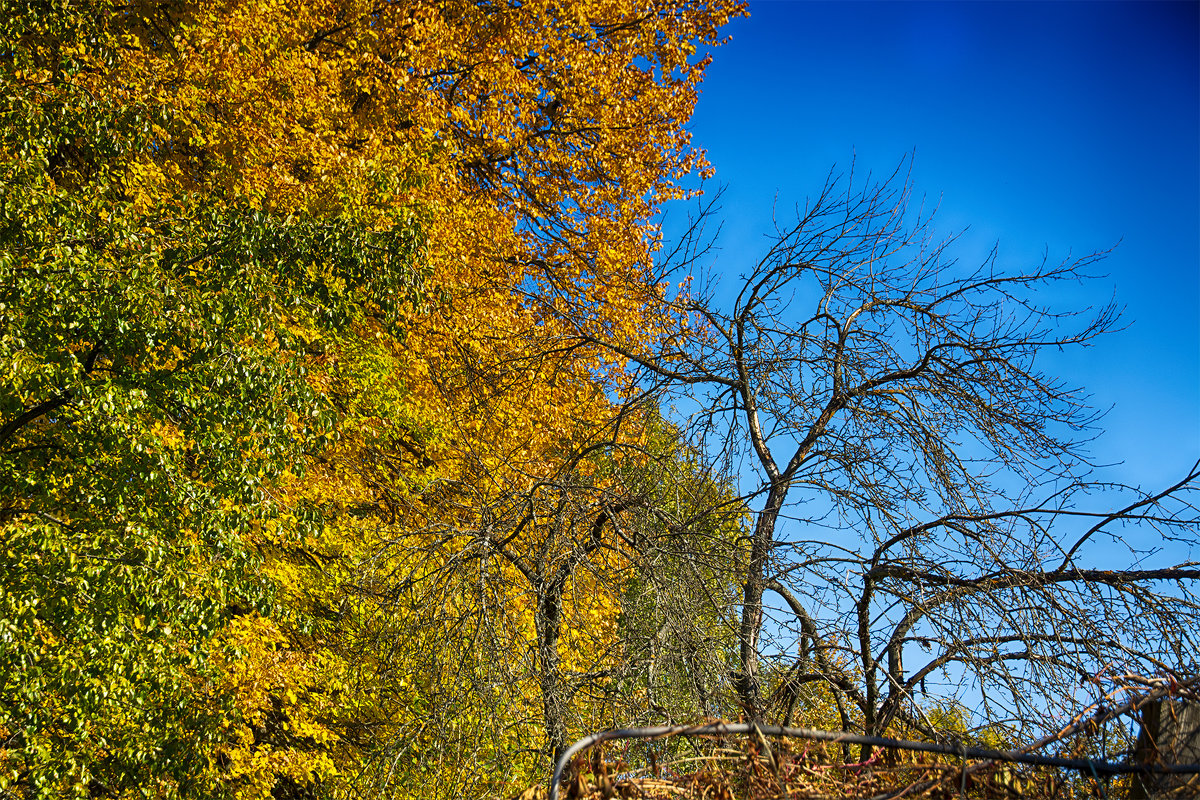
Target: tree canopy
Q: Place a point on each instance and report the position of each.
(283, 286)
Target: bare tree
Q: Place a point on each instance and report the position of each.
(500, 597)
(919, 478)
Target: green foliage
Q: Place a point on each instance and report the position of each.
(154, 388)
(237, 482)
(674, 627)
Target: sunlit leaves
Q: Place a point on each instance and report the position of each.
(293, 296)
(155, 328)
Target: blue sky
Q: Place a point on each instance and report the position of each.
(1046, 127)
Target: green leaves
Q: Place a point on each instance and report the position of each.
(156, 384)
(210, 214)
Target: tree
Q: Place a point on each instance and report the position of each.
(155, 321)
(678, 605)
(551, 132)
(285, 286)
(525, 597)
(920, 478)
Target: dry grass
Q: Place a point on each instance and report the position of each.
(781, 774)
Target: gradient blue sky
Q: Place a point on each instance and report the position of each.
(1060, 127)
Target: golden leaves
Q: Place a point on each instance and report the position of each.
(533, 143)
(275, 732)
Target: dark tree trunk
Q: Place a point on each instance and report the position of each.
(548, 622)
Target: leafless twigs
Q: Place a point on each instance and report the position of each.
(926, 524)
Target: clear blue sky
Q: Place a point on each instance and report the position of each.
(1060, 127)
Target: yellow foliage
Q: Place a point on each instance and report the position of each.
(278, 701)
(532, 143)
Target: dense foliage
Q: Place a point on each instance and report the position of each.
(282, 295)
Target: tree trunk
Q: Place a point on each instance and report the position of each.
(746, 682)
(548, 624)
(1170, 736)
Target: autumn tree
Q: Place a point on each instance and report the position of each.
(522, 601)
(153, 333)
(284, 285)
(923, 505)
(552, 134)
(678, 608)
